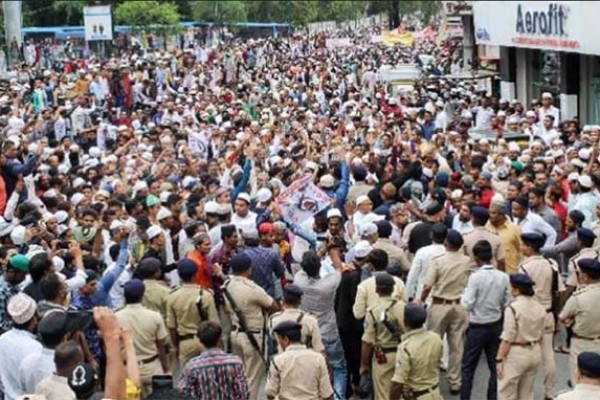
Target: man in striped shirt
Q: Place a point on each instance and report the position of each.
(214, 374)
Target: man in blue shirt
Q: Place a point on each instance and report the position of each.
(486, 295)
(267, 266)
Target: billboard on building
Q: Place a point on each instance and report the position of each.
(569, 26)
(97, 21)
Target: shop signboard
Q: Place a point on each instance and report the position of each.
(97, 21)
(568, 26)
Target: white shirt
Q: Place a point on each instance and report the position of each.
(460, 226)
(483, 117)
(548, 136)
(15, 346)
(117, 293)
(360, 219)
(555, 112)
(423, 258)
(215, 235)
(35, 367)
(533, 223)
(247, 223)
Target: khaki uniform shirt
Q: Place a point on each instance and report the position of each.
(584, 307)
(366, 295)
(540, 270)
(376, 333)
(595, 227)
(510, 234)
(573, 278)
(182, 312)
(395, 254)
(310, 326)
(582, 391)
(147, 327)
(418, 360)
(448, 275)
(55, 388)
(482, 233)
(251, 299)
(155, 296)
(298, 374)
(524, 321)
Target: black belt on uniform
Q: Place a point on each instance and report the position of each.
(585, 338)
(439, 300)
(186, 337)
(388, 350)
(148, 360)
(523, 344)
(419, 393)
(237, 328)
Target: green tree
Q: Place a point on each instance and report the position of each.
(148, 15)
(219, 11)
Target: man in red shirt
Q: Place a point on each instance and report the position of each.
(485, 189)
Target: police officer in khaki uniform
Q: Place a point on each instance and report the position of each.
(155, 296)
(183, 316)
(384, 325)
(446, 280)
(519, 357)
(480, 217)
(251, 302)
(544, 273)
(587, 376)
(148, 333)
(298, 372)
(366, 295)
(417, 372)
(311, 335)
(395, 254)
(585, 243)
(582, 310)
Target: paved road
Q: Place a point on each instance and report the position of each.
(479, 392)
(563, 374)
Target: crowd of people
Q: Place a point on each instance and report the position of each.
(145, 252)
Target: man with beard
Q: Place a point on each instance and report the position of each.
(567, 248)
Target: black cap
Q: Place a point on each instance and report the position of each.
(186, 267)
(384, 280)
(521, 281)
(286, 327)
(134, 288)
(439, 229)
(589, 265)
(384, 228)
(588, 363)
(434, 208)
(292, 290)
(415, 314)
(240, 263)
(227, 230)
(53, 324)
(454, 238)
(149, 266)
(586, 234)
(480, 213)
(82, 379)
(533, 239)
(359, 173)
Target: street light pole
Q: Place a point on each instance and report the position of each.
(13, 23)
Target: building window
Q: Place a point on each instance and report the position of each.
(594, 96)
(545, 74)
